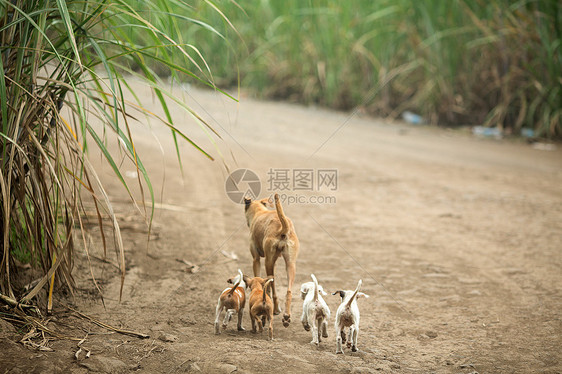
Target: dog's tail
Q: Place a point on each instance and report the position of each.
(281, 215)
(354, 294)
(265, 289)
(315, 287)
(241, 276)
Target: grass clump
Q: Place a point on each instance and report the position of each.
(62, 62)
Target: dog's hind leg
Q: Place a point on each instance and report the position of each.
(269, 270)
(270, 328)
(253, 323)
(240, 314)
(291, 271)
(319, 324)
(315, 331)
(350, 336)
(260, 324)
(304, 319)
(354, 344)
(324, 328)
(256, 263)
(339, 334)
(227, 317)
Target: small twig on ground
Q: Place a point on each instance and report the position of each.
(149, 352)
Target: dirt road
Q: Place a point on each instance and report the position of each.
(458, 241)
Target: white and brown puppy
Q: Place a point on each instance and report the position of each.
(261, 306)
(315, 311)
(347, 315)
(233, 299)
(272, 235)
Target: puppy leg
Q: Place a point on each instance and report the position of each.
(339, 334)
(354, 345)
(227, 317)
(259, 322)
(270, 328)
(319, 330)
(240, 314)
(324, 328)
(253, 318)
(304, 319)
(315, 332)
(349, 337)
(218, 310)
(342, 333)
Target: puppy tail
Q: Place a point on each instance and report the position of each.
(355, 293)
(281, 215)
(315, 287)
(237, 283)
(265, 289)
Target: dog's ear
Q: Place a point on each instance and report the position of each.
(361, 294)
(247, 203)
(342, 293)
(247, 280)
(305, 287)
(321, 290)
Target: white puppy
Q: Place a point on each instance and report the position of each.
(233, 299)
(348, 316)
(315, 311)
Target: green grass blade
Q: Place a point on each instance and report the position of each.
(68, 24)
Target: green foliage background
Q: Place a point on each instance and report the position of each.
(455, 62)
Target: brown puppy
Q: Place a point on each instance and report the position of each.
(261, 306)
(233, 299)
(272, 234)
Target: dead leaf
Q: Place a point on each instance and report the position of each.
(191, 268)
(231, 255)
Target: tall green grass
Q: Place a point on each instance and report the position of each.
(455, 62)
(62, 63)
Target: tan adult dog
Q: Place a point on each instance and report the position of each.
(272, 234)
(261, 306)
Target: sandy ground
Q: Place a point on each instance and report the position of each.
(457, 241)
